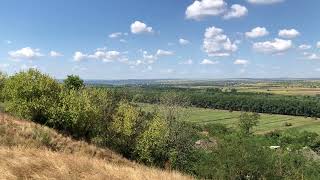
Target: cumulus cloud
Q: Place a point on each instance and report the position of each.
(257, 32)
(265, 2)
(183, 41)
(216, 43)
(289, 33)
(241, 62)
(139, 27)
(318, 44)
(305, 47)
(148, 58)
(55, 54)
(106, 56)
(275, 46)
(161, 52)
(311, 56)
(236, 11)
(115, 35)
(202, 8)
(99, 54)
(208, 62)
(79, 56)
(25, 53)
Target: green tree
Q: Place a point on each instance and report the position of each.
(128, 123)
(30, 94)
(73, 82)
(247, 121)
(151, 146)
(76, 113)
(3, 78)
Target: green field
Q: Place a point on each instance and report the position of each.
(268, 122)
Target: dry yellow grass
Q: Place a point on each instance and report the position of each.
(20, 163)
(31, 151)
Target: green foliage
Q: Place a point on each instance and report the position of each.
(216, 129)
(73, 82)
(76, 113)
(31, 94)
(3, 78)
(247, 121)
(127, 125)
(151, 146)
(125, 119)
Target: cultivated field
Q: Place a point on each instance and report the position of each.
(268, 122)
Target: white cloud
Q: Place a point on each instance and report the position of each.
(202, 8)
(79, 56)
(106, 56)
(183, 41)
(115, 35)
(305, 47)
(55, 54)
(100, 54)
(161, 52)
(276, 46)
(236, 11)
(208, 62)
(216, 43)
(123, 40)
(139, 27)
(318, 44)
(312, 56)
(241, 62)
(25, 53)
(289, 33)
(187, 62)
(257, 32)
(264, 1)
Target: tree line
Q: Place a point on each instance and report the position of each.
(308, 106)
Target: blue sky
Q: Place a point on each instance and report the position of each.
(144, 39)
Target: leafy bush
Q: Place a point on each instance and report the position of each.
(31, 94)
(73, 82)
(76, 113)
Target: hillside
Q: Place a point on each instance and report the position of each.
(31, 151)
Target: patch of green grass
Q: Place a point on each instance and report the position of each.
(268, 122)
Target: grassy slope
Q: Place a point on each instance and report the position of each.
(31, 151)
(267, 123)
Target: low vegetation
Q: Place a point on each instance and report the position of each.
(32, 151)
(161, 136)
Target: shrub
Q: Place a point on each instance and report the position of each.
(31, 94)
(76, 113)
(73, 82)
(151, 145)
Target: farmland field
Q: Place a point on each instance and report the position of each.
(268, 122)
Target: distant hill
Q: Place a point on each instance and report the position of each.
(32, 151)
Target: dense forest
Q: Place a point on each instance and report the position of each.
(232, 100)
